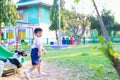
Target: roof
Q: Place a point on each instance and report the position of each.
(22, 1)
(30, 2)
(22, 22)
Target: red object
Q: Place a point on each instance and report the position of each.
(71, 41)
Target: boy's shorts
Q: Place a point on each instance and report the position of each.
(34, 57)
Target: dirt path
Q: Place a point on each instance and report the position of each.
(53, 72)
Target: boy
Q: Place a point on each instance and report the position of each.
(36, 53)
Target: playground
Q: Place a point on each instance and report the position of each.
(54, 73)
(81, 45)
(75, 62)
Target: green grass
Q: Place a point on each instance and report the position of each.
(82, 59)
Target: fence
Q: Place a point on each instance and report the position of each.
(96, 40)
(22, 44)
(48, 41)
(85, 40)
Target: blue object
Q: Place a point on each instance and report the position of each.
(51, 43)
(63, 40)
(59, 46)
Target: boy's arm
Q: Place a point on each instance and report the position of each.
(45, 52)
(40, 50)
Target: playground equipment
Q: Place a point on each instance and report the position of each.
(5, 53)
(14, 34)
(10, 34)
(22, 33)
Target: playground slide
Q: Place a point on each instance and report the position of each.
(5, 53)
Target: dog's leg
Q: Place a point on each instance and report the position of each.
(15, 70)
(1, 68)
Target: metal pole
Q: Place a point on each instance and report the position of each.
(59, 16)
(59, 23)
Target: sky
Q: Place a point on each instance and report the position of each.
(86, 6)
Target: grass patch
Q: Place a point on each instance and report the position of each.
(79, 60)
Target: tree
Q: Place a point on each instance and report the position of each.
(8, 13)
(107, 18)
(76, 23)
(116, 27)
(108, 50)
(95, 24)
(54, 18)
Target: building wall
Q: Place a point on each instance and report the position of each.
(25, 15)
(44, 14)
(33, 14)
(38, 16)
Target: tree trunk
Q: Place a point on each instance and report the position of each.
(79, 38)
(56, 36)
(105, 33)
(115, 60)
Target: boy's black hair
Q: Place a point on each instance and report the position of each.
(36, 30)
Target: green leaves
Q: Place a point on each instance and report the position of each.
(102, 39)
(94, 47)
(97, 68)
(76, 1)
(54, 17)
(91, 0)
(8, 12)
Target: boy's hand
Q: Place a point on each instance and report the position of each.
(39, 54)
(45, 52)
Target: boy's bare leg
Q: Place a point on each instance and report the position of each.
(39, 68)
(32, 68)
(27, 72)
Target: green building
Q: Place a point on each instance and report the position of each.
(36, 12)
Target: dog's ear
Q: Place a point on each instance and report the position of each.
(23, 53)
(20, 52)
(16, 51)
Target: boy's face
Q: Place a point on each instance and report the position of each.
(39, 34)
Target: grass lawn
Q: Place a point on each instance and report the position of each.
(84, 63)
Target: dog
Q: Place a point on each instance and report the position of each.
(13, 62)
